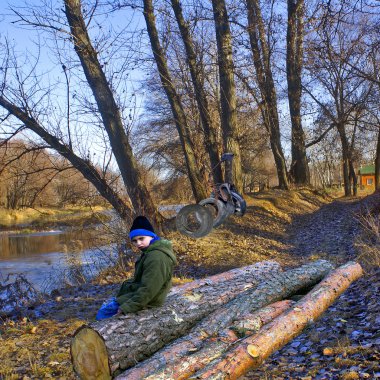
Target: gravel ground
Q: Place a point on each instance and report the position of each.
(345, 342)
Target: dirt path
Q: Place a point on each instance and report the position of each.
(352, 324)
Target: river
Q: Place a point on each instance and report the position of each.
(56, 258)
(53, 259)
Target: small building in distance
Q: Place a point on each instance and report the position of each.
(367, 176)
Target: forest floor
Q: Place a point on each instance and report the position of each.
(288, 227)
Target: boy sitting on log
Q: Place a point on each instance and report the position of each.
(153, 273)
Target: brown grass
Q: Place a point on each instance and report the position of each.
(369, 241)
(46, 216)
(41, 349)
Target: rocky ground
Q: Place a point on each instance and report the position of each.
(296, 228)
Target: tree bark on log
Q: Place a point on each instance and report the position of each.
(252, 351)
(235, 280)
(177, 362)
(103, 347)
(280, 286)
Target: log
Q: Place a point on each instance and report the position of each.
(177, 363)
(239, 278)
(280, 286)
(252, 351)
(102, 348)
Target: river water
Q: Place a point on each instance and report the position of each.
(53, 259)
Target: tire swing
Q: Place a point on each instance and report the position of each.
(219, 210)
(194, 221)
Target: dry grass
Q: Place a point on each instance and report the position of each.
(40, 350)
(43, 215)
(369, 242)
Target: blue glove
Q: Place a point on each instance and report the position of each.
(108, 309)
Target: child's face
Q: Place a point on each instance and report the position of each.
(141, 242)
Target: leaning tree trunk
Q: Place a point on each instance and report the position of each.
(209, 128)
(195, 176)
(294, 59)
(83, 166)
(227, 90)
(117, 343)
(141, 200)
(252, 351)
(180, 362)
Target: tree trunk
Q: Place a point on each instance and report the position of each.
(252, 351)
(181, 362)
(123, 340)
(227, 89)
(195, 176)
(353, 178)
(83, 166)
(294, 60)
(346, 159)
(377, 163)
(209, 127)
(264, 77)
(137, 191)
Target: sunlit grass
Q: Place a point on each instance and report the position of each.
(43, 215)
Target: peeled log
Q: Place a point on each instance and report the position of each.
(281, 285)
(100, 349)
(181, 362)
(252, 351)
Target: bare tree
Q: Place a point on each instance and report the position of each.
(27, 108)
(299, 171)
(140, 197)
(227, 89)
(262, 62)
(197, 75)
(336, 88)
(175, 103)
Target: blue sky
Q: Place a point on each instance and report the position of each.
(26, 41)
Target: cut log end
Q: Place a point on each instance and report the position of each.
(89, 355)
(253, 351)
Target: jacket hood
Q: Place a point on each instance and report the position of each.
(164, 246)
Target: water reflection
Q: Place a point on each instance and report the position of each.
(24, 245)
(53, 259)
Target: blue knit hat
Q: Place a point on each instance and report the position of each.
(141, 227)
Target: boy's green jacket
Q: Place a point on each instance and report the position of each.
(152, 279)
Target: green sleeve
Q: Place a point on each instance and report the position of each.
(155, 275)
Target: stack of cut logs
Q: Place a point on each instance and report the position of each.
(219, 327)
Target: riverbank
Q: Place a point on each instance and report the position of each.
(32, 219)
(289, 227)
